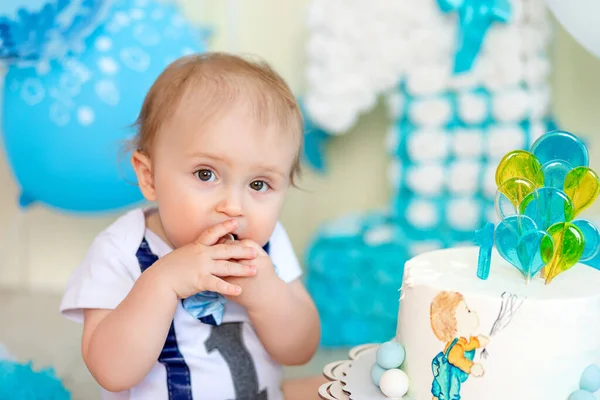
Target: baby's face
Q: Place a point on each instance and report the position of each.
(229, 168)
(467, 320)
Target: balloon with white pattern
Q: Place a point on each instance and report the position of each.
(65, 121)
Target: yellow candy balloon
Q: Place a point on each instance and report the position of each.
(519, 164)
(567, 249)
(582, 185)
(515, 190)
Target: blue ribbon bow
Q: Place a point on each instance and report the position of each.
(204, 305)
(475, 18)
(207, 306)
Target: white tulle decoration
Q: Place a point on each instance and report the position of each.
(422, 214)
(463, 213)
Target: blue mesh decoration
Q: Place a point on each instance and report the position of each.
(31, 31)
(348, 260)
(21, 382)
(84, 106)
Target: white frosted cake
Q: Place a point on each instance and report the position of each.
(541, 337)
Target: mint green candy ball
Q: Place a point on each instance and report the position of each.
(376, 372)
(390, 355)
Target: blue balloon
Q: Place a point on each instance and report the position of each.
(581, 395)
(590, 379)
(66, 121)
(35, 30)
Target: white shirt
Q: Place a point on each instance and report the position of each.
(108, 273)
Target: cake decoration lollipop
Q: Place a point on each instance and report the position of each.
(540, 193)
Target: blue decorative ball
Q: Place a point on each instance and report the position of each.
(581, 395)
(390, 355)
(590, 379)
(376, 373)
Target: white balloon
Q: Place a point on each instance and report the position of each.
(580, 19)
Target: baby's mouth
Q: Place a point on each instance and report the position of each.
(235, 237)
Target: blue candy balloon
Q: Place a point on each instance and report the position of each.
(66, 121)
(581, 395)
(555, 173)
(529, 252)
(390, 355)
(561, 146)
(590, 379)
(518, 241)
(376, 372)
(592, 239)
(508, 233)
(548, 207)
(35, 30)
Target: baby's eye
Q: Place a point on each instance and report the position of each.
(259, 186)
(205, 175)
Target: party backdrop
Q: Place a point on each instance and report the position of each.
(464, 82)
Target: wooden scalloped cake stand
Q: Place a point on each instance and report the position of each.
(337, 371)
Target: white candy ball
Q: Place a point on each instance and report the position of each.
(394, 383)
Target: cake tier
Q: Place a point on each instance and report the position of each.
(541, 337)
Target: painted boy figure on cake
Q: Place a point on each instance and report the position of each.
(455, 324)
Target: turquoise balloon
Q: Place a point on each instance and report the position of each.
(66, 122)
(561, 146)
(581, 395)
(548, 207)
(508, 232)
(376, 372)
(390, 355)
(529, 252)
(591, 237)
(590, 379)
(555, 173)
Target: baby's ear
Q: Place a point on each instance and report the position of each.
(143, 170)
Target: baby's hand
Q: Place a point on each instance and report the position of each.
(256, 287)
(483, 340)
(200, 265)
(477, 370)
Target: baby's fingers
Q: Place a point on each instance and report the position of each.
(229, 268)
(218, 285)
(232, 251)
(216, 232)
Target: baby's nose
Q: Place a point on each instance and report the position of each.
(231, 205)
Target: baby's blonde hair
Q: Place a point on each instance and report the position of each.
(217, 82)
(443, 315)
